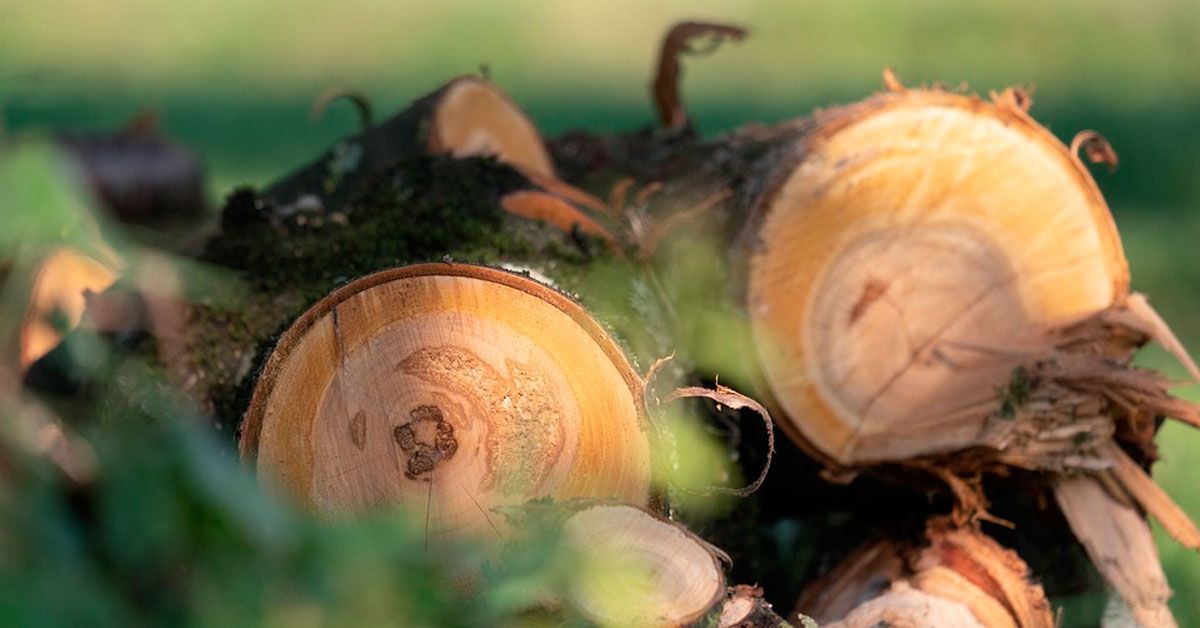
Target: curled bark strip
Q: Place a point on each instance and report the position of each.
(1096, 148)
(356, 97)
(563, 189)
(553, 209)
(731, 398)
(891, 82)
(671, 112)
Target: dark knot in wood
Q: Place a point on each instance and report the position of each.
(428, 439)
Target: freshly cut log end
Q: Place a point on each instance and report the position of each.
(448, 390)
(646, 571)
(57, 300)
(921, 245)
(956, 570)
(474, 118)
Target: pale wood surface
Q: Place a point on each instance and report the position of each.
(921, 242)
(650, 572)
(448, 390)
(58, 290)
(955, 565)
(474, 118)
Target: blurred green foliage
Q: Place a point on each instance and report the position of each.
(234, 80)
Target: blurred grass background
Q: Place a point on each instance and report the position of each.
(234, 81)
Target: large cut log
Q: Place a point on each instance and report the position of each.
(939, 277)
(449, 390)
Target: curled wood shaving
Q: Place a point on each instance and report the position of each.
(357, 97)
(563, 189)
(1095, 148)
(891, 82)
(671, 112)
(730, 398)
(553, 209)
(1014, 98)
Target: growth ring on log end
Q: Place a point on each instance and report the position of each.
(921, 238)
(473, 117)
(449, 390)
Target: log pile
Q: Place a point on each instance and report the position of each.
(924, 290)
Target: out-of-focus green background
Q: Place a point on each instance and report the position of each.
(234, 80)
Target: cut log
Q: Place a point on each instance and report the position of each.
(644, 571)
(140, 176)
(913, 258)
(958, 576)
(58, 298)
(474, 117)
(447, 389)
(467, 117)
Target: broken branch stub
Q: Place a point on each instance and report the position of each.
(672, 114)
